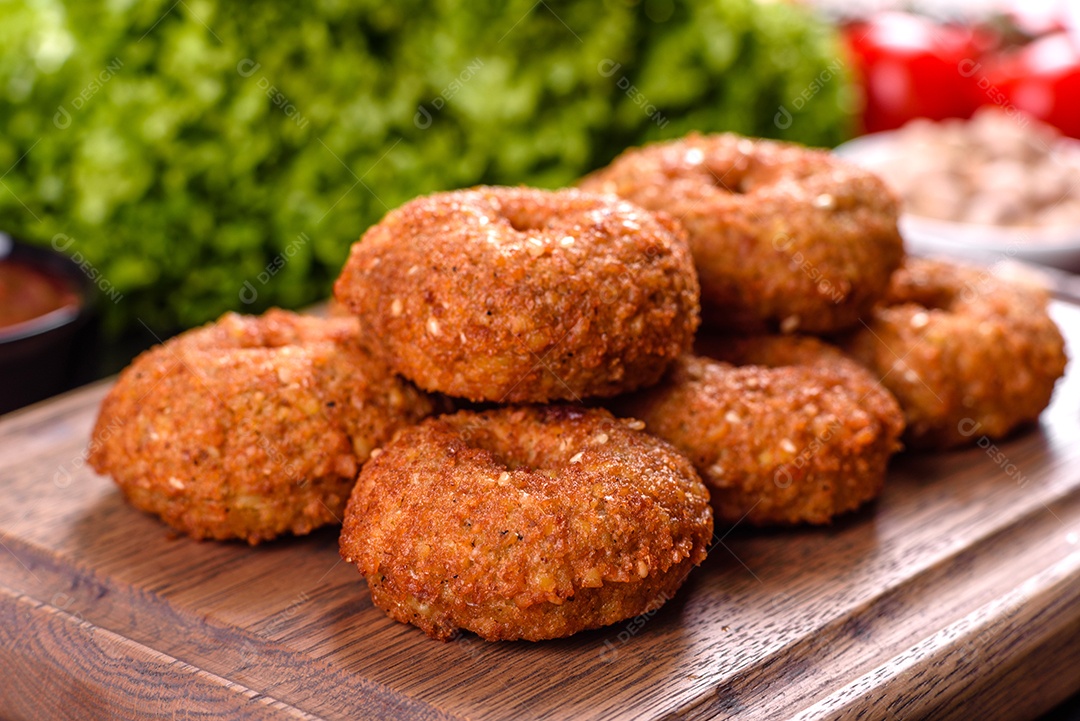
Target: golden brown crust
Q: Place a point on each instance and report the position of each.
(250, 427)
(967, 353)
(525, 522)
(782, 236)
(523, 295)
(797, 433)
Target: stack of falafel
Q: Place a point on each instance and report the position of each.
(534, 511)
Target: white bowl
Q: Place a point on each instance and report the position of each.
(1055, 247)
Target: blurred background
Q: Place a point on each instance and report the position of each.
(193, 156)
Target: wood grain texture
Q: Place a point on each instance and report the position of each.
(956, 595)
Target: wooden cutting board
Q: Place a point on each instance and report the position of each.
(957, 595)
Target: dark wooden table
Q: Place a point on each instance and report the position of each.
(957, 595)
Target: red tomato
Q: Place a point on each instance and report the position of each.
(911, 67)
(1042, 79)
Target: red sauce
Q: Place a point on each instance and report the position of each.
(28, 292)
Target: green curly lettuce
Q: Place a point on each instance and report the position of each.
(204, 156)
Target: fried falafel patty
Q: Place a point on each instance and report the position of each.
(525, 522)
(782, 429)
(783, 237)
(250, 427)
(524, 295)
(967, 353)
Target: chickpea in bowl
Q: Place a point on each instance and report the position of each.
(999, 183)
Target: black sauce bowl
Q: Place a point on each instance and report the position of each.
(58, 350)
